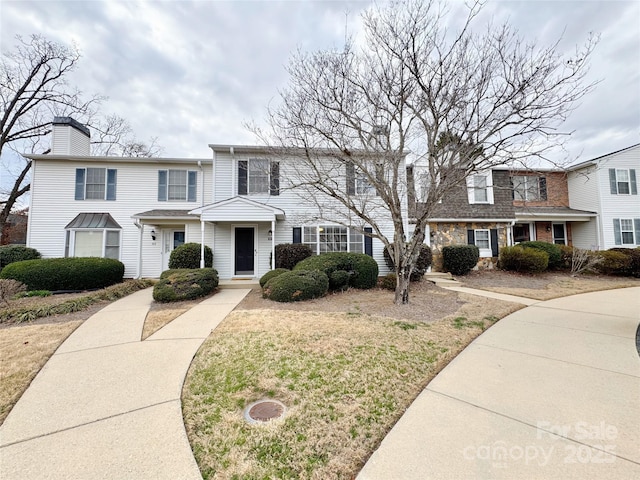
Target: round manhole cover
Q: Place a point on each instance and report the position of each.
(264, 410)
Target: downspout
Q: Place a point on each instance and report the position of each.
(510, 233)
(213, 178)
(141, 231)
(201, 221)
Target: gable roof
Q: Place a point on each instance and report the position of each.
(593, 161)
(238, 209)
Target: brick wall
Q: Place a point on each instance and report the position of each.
(557, 190)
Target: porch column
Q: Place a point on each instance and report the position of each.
(201, 243)
(140, 240)
(273, 244)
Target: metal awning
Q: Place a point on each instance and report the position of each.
(164, 215)
(93, 220)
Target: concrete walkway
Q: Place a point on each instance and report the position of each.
(107, 405)
(551, 391)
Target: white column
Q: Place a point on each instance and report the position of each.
(273, 243)
(201, 243)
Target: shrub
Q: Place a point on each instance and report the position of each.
(460, 259)
(187, 255)
(523, 259)
(73, 273)
(185, 285)
(634, 265)
(389, 281)
(614, 262)
(553, 251)
(173, 271)
(297, 285)
(271, 274)
(10, 288)
(289, 254)
(34, 293)
(566, 256)
(422, 264)
(362, 269)
(584, 261)
(16, 253)
(339, 280)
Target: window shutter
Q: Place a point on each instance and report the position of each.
(617, 235)
(162, 185)
(368, 241)
(494, 241)
(612, 181)
(513, 188)
(636, 227)
(471, 189)
(274, 187)
(112, 175)
(543, 187)
(351, 179)
(632, 180)
(192, 186)
(297, 234)
(80, 173)
(243, 166)
(471, 237)
(490, 187)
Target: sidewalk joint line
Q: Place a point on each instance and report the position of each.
(550, 432)
(98, 420)
(98, 347)
(550, 307)
(534, 322)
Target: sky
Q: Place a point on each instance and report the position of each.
(195, 72)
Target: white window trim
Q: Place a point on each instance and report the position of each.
(316, 251)
(471, 188)
(268, 174)
(484, 252)
(633, 233)
(528, 186)
(628, 181)
(564, 227)
(72, 240)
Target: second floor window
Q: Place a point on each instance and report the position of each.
(177, 185)
(258, 176)
(529, 188)
(95, 184)
(623, 181)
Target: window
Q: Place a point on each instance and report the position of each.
(177, 185)
(332, 238)
(362, 184)
(480, 188)
(529, 188)
(94, 243)
(482, 239)
(95, 184)
(485, 239)
(623, 181)
(626, 231)
(258, 176)
(559, 234)
(521, 232)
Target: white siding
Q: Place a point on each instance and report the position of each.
(585, 234)
(67, 140)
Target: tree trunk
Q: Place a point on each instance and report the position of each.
(402, 288)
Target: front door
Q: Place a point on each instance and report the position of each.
(559, 234)
(172, 240)
(244, 248)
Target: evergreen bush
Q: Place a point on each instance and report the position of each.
(289, 254)
(422, 264)
(187, 255)
(614, 262)
(271, 274)
(460, 259)
(362, 269)
(297, 285)
(523, 259)
(16, 253)
(552, 250)
(185, 285)
(633, 269)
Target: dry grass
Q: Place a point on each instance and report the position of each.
(24, 350)
(346, 378)
(543, 286)
(157, 319)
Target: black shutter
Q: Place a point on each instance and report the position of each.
(297, 234)
(543, 188)
(351, 179)
(112, 176)
(274, 187)
(162, 185)
(80, 174)
(493, 233)
(471, 237)
(617, 231)
(368, 241)
(242, 177)
(513, 189)
(612, 181)
(632, 180)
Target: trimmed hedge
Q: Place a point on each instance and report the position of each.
(16, 253)
(339, 280)
(422, 264)
(185, 285)
(460, 259)
(297, 285)
(271, 274)
(362, 269)
(523, 259)
(614, 262)
(553, 251)
(73, 273)
(289, 254)
(634, 265)
(187, 255)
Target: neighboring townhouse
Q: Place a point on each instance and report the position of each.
(479, 213)
(239, 202)
(541, 207)
(608, 186)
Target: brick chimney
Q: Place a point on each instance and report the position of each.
(70, 137)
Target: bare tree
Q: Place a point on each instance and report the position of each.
(34, 89)
(462, 101)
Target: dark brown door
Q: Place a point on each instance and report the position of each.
(244, 251)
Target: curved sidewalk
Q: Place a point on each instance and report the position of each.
(107, 405)
(551, 391)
